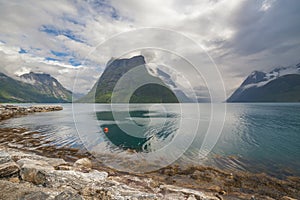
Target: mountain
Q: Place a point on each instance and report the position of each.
(154, 92)
(33, 87)
(177, 83)
(178, 91)
(279, 85)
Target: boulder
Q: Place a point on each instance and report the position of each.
(83, 163)
(9, 169)
(34, 171)
(75, 179)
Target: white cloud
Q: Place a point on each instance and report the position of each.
(241, 36)
(15, 64)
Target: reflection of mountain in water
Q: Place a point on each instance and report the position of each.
(154, 135)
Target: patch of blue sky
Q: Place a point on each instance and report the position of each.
(51, 30)
(35, 49)
(74, 62)
(103, 7)
(51, 59)
(73, 20)
(60, 54)
(22, 51)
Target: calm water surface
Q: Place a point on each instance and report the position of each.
(256, 137)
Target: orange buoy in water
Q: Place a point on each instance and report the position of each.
(105, 130)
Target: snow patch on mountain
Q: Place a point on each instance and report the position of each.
(175, 81)
(259, 79)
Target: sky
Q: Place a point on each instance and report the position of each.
(65, 38)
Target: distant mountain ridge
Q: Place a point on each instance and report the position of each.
(279, 85)
(47, 85)
(115, 69)
(33, 88)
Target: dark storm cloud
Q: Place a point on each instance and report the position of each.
(274, 29)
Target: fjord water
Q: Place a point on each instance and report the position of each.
(256, 137)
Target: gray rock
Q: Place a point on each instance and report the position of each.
(35, 196)
(34, 171)
(41, 164)
(55, 161)
(67, 195)
(64, 167)
(97, 193)
(8, 169)
(33, 175)
(116, 190)
(16, 155)
(74, 179)
(4, 157)
(83, 163)
(61, 180)
(185, 191)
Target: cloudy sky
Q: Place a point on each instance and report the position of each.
(57, 37)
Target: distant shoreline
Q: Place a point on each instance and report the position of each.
(9, 111)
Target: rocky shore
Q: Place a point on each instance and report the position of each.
(28, 176)
(9, 111)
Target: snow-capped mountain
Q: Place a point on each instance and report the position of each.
(258, 78)
(32, 88)
(179, 85)
(261, 86)
(47, 85)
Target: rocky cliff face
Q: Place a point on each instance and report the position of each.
(47, 85)
(38, 88)
(279, 85)
(115, 69)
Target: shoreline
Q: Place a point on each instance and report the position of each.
(9, 111)
(213, 182)
(25, 175)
